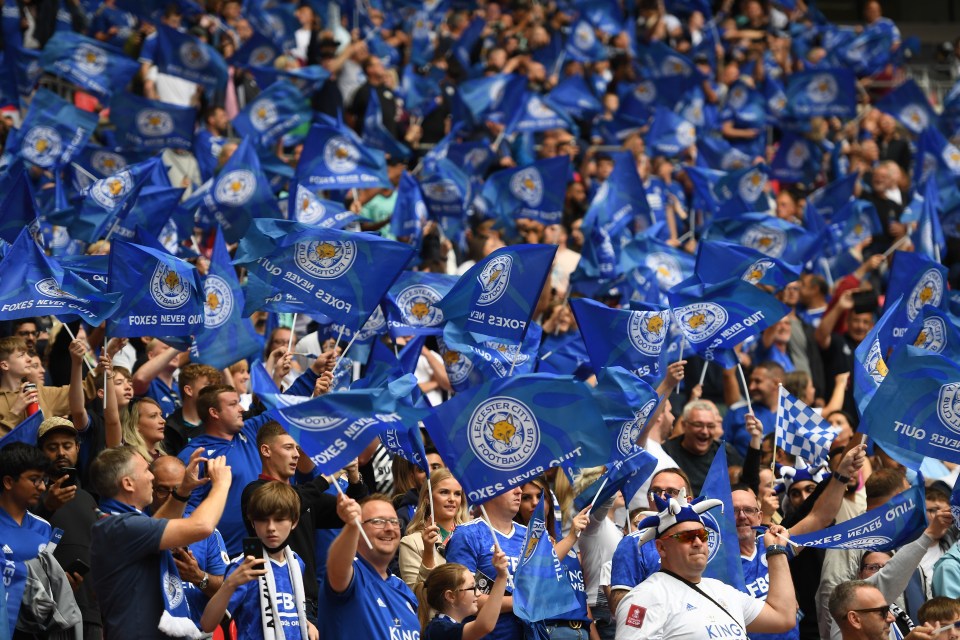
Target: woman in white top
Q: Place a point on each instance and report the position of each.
(422, 548)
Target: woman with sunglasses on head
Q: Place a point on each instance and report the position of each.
(450, 592)
(421, 550)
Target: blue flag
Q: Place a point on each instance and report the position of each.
(541, 589)
(505, 432)
(935, 158)
(767, 234)
(869, 364)
(334, 158)
(406, 442)
(564, 354)
(832, 197)
(822, 92)
(276, 110)
(716, 317)
(307, 207)
(935, 331)
(531, 113)
(890, 526)
(160, 295)
(411, 303)
(54, 130)
(409, 213)
(446, 190)
(258, 50)
(797, 160)
(375, 133)
(670, 134)
(802, 432)
(88, 63)
(470, 362)
(909, 105)
(306, 79)
(573, 95)
(183, 55)
(669, 265)
(923, 387)
(239, 193)
(151, 211)
(852, 224)
(33, 284)
(620, 337)
(743, 190)
(723, 555)
(919, 280)
(620, 200)
(333, 428)
(928, 237)
(583, 45)
(497, 296)
(341, 274)
(718, 261)
(535, 191)
(226, 336)
(151, 124)
(717, 152)
(17, 207)
(25, 432)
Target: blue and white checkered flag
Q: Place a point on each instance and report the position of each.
(803, 432)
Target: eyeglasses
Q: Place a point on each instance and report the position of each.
(163, 492)
(873, 566)
(38, 481)
(659, 491)
(883, 611)
(747, 511)
(28, 334)
(687, 537)
(381, 523)
(472, 587)
(699, 425)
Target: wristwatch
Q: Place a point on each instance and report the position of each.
(204, 581)
(178, 497)
(844, 479)
(776, 550)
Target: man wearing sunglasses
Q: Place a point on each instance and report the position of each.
(862, 613)
(678, 602)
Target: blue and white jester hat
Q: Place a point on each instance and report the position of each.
(674, 511)
(800, 473)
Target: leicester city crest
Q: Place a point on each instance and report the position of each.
(928, 290)
(173, 589)
(325, 259)
(700, 321)
(822, 88)
(494, 279)
(193, 55)
(876, 367)
(737, 97)
(503, 433)
(645, 92)
(647, 331)
(48, 287)
(630, 430)
(109, 192)
(714, 539)
(373, 326)
(107, 162)
(537, 109)
(309, 209)
(583, 36)
(686, 134)
(767, 240)
(262, 56)
(751, 185)
(263, 114)
(418, 308)
(914, 117)
(340, 155)
(933, 335)
(154, 123)
(168, 288)
(235, 187)
(948, 406)
(755, 272)
(90, 60)
(442, 191)
(217, 301)
(314, 423)
(42, 146)
(666, 267)
(797, 154)
(527, 185)
(457, 365)
(951, 157)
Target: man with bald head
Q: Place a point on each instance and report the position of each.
(202, 564)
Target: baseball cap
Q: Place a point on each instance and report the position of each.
(55, 424)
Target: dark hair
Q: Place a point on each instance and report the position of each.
(209, 398)
(842, 598)
(884, 482)
(18, 457)
(268, 432)
(446, 577)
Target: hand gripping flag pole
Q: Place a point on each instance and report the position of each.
(363, 533)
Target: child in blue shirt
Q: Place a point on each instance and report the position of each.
(450, 589)
(266, 600)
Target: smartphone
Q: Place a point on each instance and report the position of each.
(78, 567)
(252, 547)
(71, 474)
(865, 302)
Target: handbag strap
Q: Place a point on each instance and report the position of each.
(705, 595)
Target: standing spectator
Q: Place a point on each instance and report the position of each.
(154, 378)
(359, 598)
(764, 396)
(695, 450)
(14, 399)
(131, 563)
(423, 548)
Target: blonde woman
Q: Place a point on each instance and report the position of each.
(421, 549)
(143, 426)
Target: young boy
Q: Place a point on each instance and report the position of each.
(941, 612)
(16, 364)
(272, 583)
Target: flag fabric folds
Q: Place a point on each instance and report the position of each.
(88, 63)
(803, 432)
(54, 130)
(620, 337)
(334, 158)
(151, 124)
(276, 110)
(504, 432)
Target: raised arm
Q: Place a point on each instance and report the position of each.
(344, 547)
(204, 519)
(76, 397)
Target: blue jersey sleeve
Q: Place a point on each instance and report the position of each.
(624, 568)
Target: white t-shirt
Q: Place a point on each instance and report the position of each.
(663, 607)
(597, 544)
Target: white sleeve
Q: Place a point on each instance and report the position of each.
(750, 606)
(641, 615)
